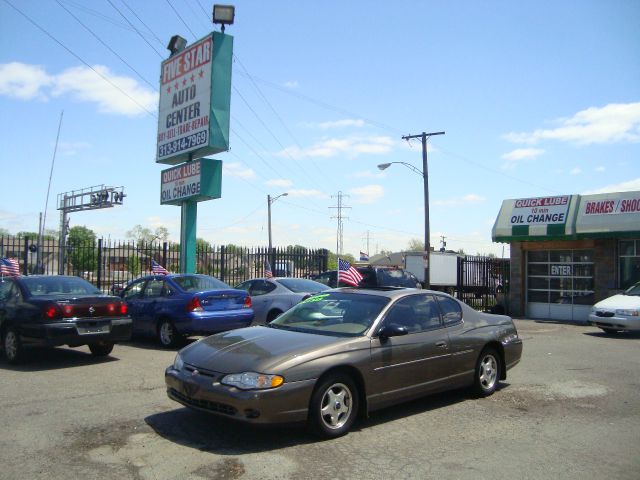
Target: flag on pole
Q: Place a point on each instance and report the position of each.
(347, 273)
(268, 273)
(9, 266)
(364, 257)
(157, 268)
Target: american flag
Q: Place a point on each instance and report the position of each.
(157, 268)
(9, 266)
(267, 269)
(364, 257)
(347, 273)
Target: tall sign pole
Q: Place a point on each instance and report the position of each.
(425, 176)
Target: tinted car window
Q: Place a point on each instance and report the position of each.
(54, 285)
(301, 285)
(451, 311)
(415, 313)
(133, 291)
(5, 289)
(261, 287)
(193, 283)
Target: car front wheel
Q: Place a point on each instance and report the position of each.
(487, 373)
(12, 344)
(334, 406)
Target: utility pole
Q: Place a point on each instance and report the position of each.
(425, 175)
(339, 207)
(443, 244)
(368, 238)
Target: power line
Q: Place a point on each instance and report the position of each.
(182, 19)
(133, 26)
(145, 25)
(340, 218)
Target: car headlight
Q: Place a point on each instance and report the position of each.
(628, 312)
(252, 381)
(178, 363)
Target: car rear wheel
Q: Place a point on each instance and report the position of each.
(12, 344)
(167, 334)
(487, 373)
(334, 406)
(272, 315)
(101, 349)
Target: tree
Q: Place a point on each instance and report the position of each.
(144, 235)
(202, 246)
(415, 245)
(133, 264)
(332, 263)
(83, 253)
(460, 251)
(49, 234)
(4, 232)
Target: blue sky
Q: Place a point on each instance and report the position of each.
(536, 98)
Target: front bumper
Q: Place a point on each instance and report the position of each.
(76, 332)
(617, 322)
(512, 352)
(203, 391)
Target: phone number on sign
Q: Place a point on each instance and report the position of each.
(182, 144)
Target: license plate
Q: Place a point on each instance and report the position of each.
(93, 329)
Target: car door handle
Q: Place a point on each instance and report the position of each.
(441, 344)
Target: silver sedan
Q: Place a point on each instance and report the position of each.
(271, 297)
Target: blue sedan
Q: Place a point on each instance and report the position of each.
(171, 307)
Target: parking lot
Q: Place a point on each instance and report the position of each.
(570, 409)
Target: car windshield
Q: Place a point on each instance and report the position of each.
(333, 313)
(633, 290)
(58, 285)
(301, 285)
(199, 283)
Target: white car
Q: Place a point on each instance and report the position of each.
(620, 312)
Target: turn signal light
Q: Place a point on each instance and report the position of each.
(194, 305)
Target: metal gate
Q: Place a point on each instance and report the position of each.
(483, 282)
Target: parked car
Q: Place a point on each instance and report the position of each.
(171, 307)
(619, 312)
(373, 277)
(271, 297)
(341, 353)
(59, 310)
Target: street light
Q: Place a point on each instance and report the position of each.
(269, 202)
(424, 173)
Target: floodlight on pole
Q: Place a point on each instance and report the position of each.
(176, 44)
(224, 15)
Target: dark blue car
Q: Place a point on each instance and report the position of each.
(171, 307)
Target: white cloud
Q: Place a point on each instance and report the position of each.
(350, 146)
(22, 81)
(233, 169)
(367, 194)
(457, 201)
(512, 158)
(575, 171)
(279, 182)
(629, 186)
(29, 82)
(616, 122)
(301, 193)
(71, 148)
(367, 174)
(600, 169)
(347, 122)
(291, 84)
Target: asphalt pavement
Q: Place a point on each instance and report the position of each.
(569, 410)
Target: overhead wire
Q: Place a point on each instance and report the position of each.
(134, 27)
(42, 29)
(195, 37)
(145, 25)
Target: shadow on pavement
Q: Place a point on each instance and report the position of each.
(42, 359)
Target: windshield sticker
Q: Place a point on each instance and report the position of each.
(315, 298)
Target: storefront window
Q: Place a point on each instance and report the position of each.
(629, 262)
(560, 277)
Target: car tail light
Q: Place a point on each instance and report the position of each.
(67, 310)
(123, 309)
(52, 311)
(194, 305)
(111, 308)
(247, 302)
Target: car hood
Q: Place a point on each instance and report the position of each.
(260, 349)
(619, 301)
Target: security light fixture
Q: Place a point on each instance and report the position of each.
(176, 44)
(224, 15)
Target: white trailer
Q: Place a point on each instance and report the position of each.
(443, 268)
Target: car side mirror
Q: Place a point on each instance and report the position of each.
(392, 331)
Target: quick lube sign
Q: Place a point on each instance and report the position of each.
(540, 211)
(195, 91)
(197, 180)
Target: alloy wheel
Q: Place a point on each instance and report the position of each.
(488, 374)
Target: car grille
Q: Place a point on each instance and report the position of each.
(600, 313)
(204, 404)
